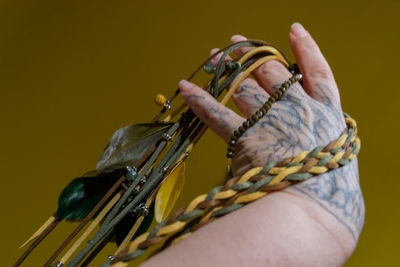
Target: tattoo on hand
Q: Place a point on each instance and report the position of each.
(297, 123)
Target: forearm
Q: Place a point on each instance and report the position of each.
(285, 228)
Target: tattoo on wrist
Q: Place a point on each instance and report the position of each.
(339, 193)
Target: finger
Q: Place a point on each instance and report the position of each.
(249, 96)
(318, 78)
(243, 49)
(270, 74)
(216, 116)
(218, 56)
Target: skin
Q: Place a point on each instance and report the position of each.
(313, 223)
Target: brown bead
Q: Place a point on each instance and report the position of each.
(246, 124)
(234, 138)
(251, 121)
(241, 129)
(254, 117)
(236, 133)
(272, 99)
(263, 110)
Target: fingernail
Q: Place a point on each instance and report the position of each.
(237, 36)
(213, 51)
(298, 30)
(184, 85)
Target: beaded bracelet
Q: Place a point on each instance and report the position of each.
(277, 95)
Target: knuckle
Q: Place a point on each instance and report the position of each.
(271, 68)
(208, 116)
(320, 72)
(211, 112)
(248, 85)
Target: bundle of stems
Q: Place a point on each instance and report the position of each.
(138, 182)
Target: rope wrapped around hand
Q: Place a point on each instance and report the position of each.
(239, 191)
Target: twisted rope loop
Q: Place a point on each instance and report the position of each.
(241, 190)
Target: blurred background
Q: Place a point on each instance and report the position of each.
(73, 72)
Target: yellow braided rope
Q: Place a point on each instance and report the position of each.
(280, 172)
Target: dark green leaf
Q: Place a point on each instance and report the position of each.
(129, 144)
(81, 195)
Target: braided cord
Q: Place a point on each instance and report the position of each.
(239, 191)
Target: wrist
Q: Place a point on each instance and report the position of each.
(334, 200)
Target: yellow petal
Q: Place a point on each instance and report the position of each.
(169, 192)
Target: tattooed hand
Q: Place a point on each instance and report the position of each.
(304, 118)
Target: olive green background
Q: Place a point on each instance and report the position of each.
(73, 72)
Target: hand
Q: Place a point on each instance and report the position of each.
(304, 118)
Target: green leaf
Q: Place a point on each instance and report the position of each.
(129, 144)
(81, 195)
(169, 192)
